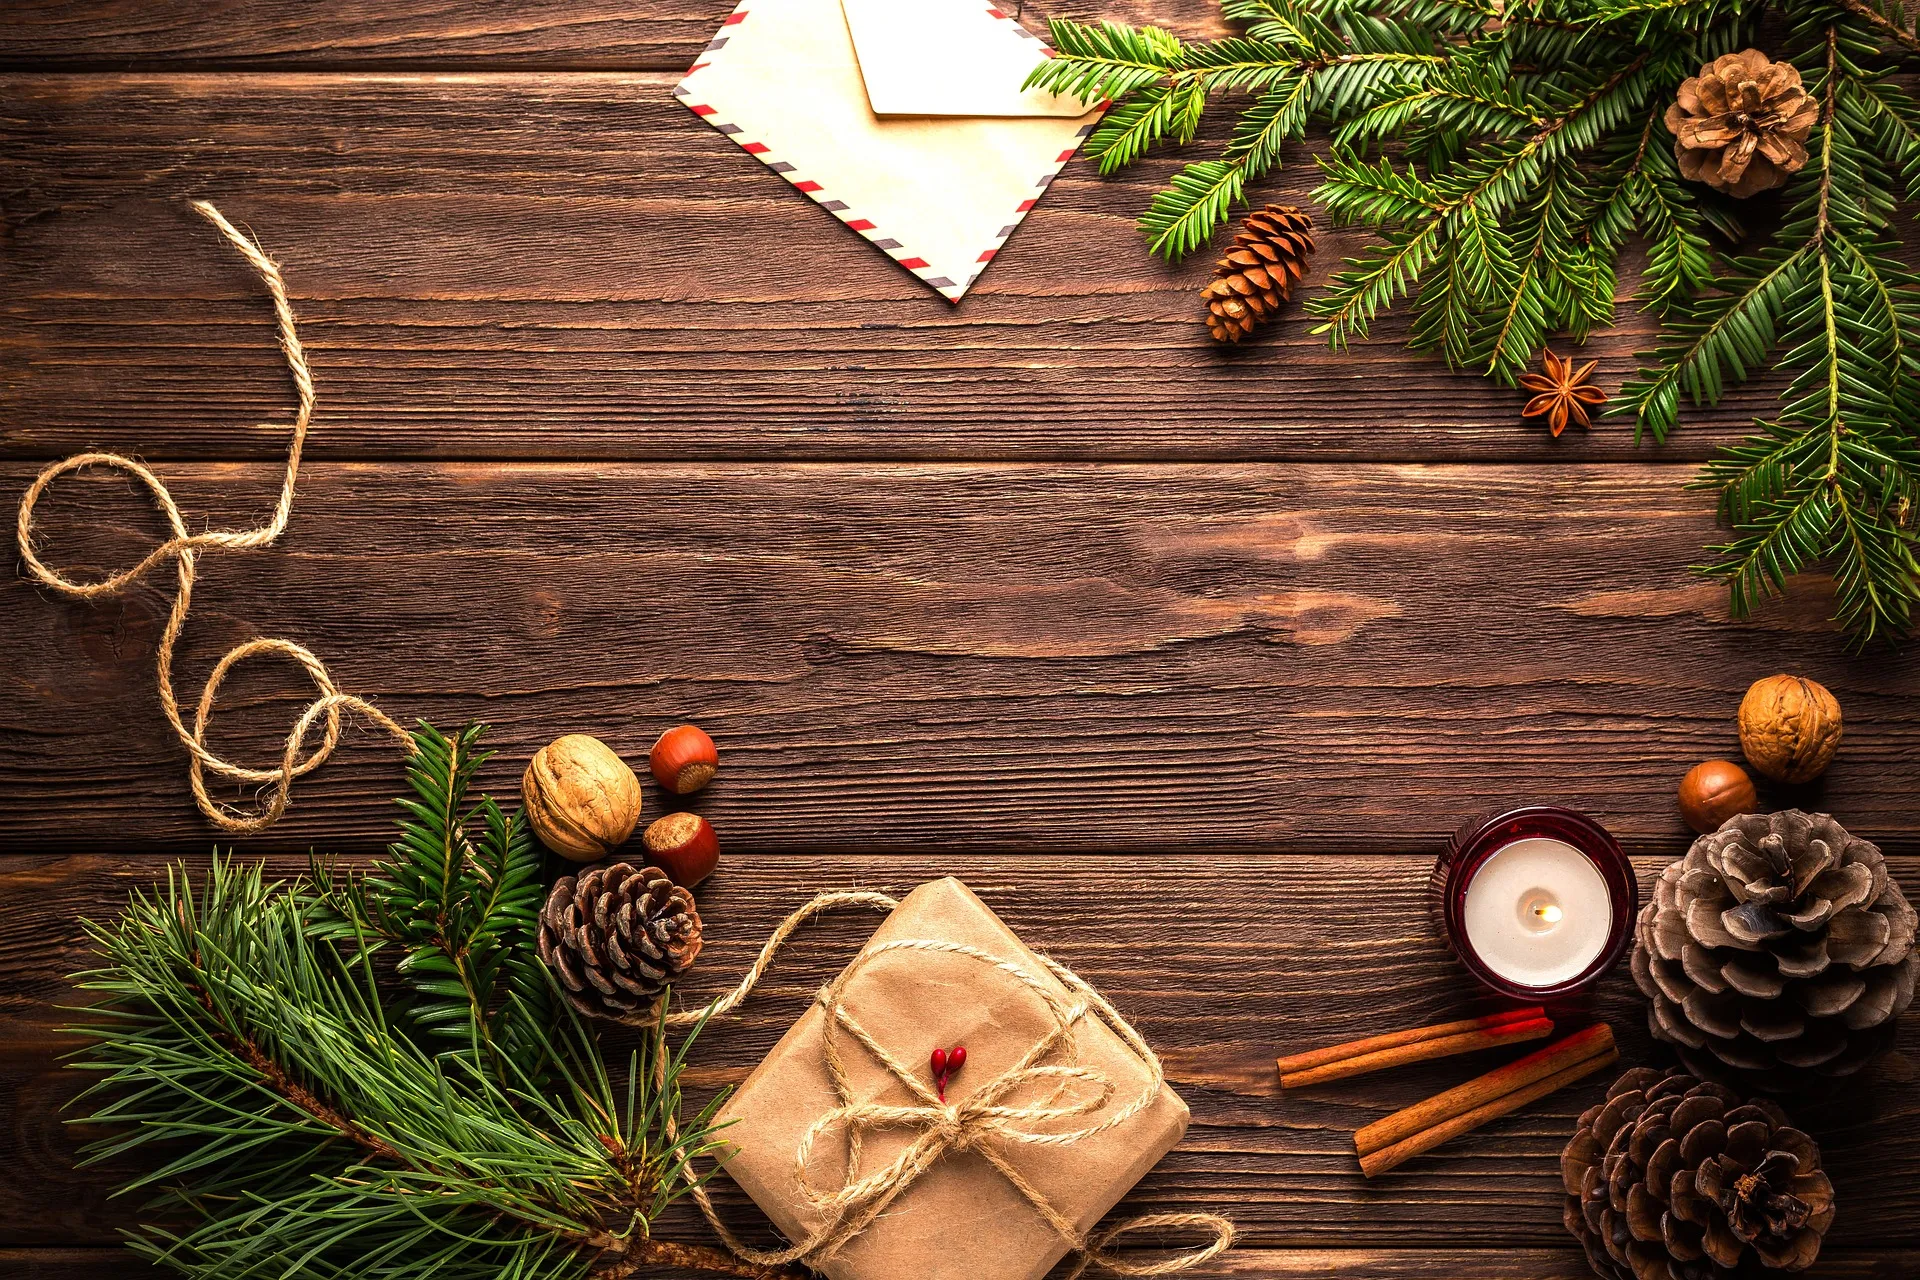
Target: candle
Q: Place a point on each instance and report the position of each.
(1537, 912)
(1536, 901)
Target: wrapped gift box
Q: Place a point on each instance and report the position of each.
(962, 1218)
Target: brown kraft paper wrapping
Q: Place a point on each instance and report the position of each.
(961, 1219)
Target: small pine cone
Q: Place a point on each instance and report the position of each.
(1778, 951)
(1673, 1179)
(616, 937)
(1251, 282)
(1741, 125)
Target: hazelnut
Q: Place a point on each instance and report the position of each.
(684, 759)
(683, 845)
(582, 800)
(1714, 791)
(1789, 728)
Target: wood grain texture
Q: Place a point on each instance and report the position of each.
(549, 266)
(996, 658)
(100, 1263)
(572, 34)
(1195, 729)
(1220, 962)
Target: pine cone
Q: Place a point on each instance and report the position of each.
(1741, 125)
(1251, 282)
(1673, 1179)
(616, 937)
(1776, 952)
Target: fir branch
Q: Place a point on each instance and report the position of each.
(1130, 128)
(1297, 64)
(1880, 22)
(1506, 159)
(1449, 217)
(1721, 339)
(1521, 325)
(1373, 281)
(1182, 217)
(1648, 198)
(1823, 482)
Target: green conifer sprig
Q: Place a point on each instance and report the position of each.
(1835, 476)
(1505, 154)
(459, 893)
(295, 1130)
(1298, 64)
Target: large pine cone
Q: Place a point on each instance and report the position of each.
(1251, 282)
(1777, 951)
(1741, 125)
(1673, 1179)
(616, 937)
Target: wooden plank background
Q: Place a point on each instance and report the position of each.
(1186, 659)
(557, 266)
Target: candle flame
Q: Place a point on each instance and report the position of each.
(1548, 912)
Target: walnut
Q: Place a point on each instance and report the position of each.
(1789, 728)
(582, 799)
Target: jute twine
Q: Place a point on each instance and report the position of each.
(985, 1122)
(988, 1122)
(183, 549)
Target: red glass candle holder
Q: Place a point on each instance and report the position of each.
(1479, 839)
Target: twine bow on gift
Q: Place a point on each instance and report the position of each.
(987, 1123)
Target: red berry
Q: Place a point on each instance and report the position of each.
(939, 1062)
(956, 1060)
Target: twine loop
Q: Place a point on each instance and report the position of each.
(183, 548)
(1023, 1105)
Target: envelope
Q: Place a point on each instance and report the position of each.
(991, 53)
(905, 119)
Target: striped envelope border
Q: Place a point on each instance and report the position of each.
(689, 93)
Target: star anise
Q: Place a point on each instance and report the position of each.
(1561, 393)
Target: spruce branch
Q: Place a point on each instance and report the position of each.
(1464, 222)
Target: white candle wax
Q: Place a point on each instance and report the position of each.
(1537, 912)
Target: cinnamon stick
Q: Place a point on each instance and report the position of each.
(1354, 1048)
(1577, 1048)
(1419, 1051)
(1375, 1163)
